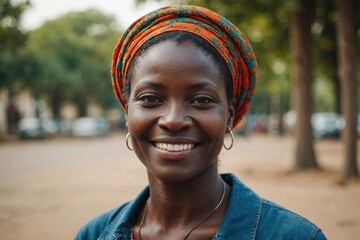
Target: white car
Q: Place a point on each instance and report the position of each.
(90, 127)
(326, 125)
(36, 128)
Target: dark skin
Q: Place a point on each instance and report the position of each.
(177, 115)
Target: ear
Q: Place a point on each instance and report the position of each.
(231, 115)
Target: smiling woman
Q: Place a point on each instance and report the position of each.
(185, 77)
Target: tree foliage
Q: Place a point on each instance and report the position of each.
(11, 34)
(73, 55)
(12, 38)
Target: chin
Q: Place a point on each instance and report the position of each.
(180, 175)
(170, 176)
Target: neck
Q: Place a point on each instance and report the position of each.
(174, 206)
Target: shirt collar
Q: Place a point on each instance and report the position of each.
(240, 221)
(120, 228)
(243, 211)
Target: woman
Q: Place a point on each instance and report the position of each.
(185, 77)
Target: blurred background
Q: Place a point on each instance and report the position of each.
(62, 153)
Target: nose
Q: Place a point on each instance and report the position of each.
(175, 118)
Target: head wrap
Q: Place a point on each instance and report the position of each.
(226, 38)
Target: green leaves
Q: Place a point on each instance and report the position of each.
(74, 52)
(11, 35)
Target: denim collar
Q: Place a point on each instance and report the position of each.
(243, 212)
(241, 217)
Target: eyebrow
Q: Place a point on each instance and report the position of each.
(152, 84)
(195, 86)
(200, 85)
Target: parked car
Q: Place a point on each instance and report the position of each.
(90, 127)
(36, 128)
(326, 125)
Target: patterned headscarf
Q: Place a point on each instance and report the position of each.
(226, 38)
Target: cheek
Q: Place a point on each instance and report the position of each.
(139, 124)
(139, 121)
(213, 123)
(136, 120)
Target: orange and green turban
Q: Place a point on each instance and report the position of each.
(226, 38)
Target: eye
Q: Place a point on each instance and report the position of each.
(203, 100)
(149, 99)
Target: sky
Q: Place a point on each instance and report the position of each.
(125, 11)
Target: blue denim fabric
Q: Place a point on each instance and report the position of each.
(247, 217)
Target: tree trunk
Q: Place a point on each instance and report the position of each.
(56, 99)
(81, 103)
(337, 93)
(301, 50)
(346, 70)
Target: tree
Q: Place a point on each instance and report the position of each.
(347, 74)
(301, 48)
(74, 65)
(12, 38)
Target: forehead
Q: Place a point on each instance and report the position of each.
(180, 59)
(176, 52)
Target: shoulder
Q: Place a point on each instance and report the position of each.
(116, 222)
(278, 221)
(104, 222)
(252, 217)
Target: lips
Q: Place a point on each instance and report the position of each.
(171, 147)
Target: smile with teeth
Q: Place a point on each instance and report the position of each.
(174, 147)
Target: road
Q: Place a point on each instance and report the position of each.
(49, 188)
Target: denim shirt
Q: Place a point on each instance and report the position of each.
(247, 217)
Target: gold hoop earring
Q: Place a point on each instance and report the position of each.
(232, 140)
(127, 142)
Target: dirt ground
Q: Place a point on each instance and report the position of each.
(48, 189)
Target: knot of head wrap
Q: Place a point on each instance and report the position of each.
(226, 38)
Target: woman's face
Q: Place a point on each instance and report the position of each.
(177, 111)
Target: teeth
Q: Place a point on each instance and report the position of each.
(174, 147)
